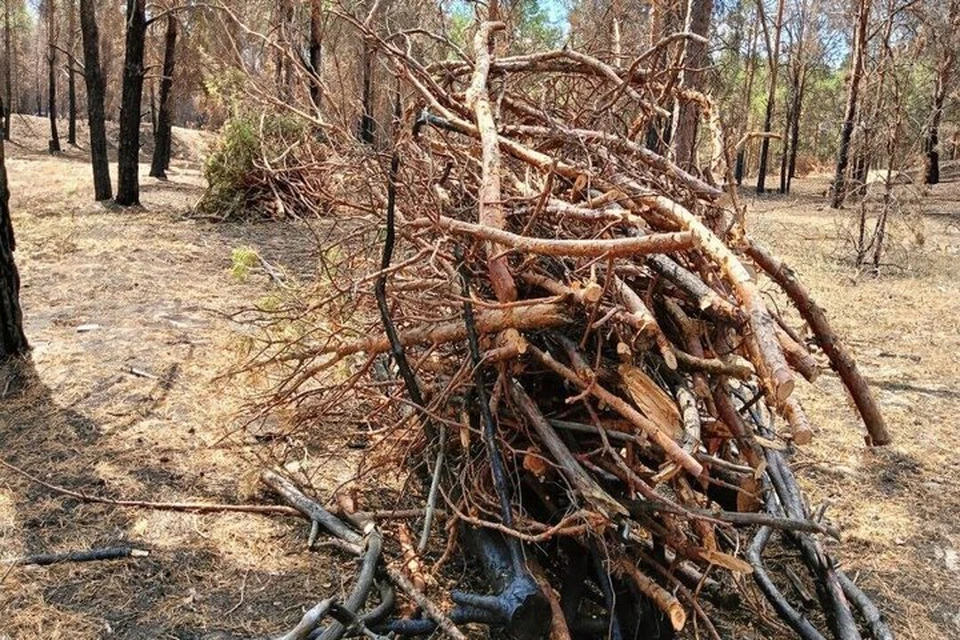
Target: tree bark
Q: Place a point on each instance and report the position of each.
(316, 52)
(128, 171)
(931, 145)
(52, 76)
(686, 114)
(853, 95)
(96, 88)
(13, 342)
(72, 73)
(773, 61)
(7, 71)
(751, 64)
(162, 138)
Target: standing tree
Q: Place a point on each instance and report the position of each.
(128, 155)
(12, 340)
(71, 72)
(686, 113)
(7, 70)
(163, 133)
(853, 95)
(943, 37)
(96, 88)
(52, 75)
(316, 52)
(773, 65)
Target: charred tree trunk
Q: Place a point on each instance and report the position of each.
(162, 139)
(741, 164)
(367, 122)
(96, 87)
(12, 340)
(7, 71)
(795, 131)
(686, 114)
(72, 73)
(853, 95)
(128, 156)
(316, 52)
(931, 144)
(773, 59)
(52, 76)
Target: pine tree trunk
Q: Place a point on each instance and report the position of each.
(131, 100)
(931, 145)
(686, 114)
(72, 73)
(7, 71)
(316, 52)
(773, 56)
(12, 340)
(96, 88)
(853, 95)
(52, 76)
(162, 140)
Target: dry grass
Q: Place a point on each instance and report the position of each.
(157, 285)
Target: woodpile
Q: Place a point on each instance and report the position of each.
(572, 353)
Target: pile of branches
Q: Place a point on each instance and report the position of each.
(572, 354)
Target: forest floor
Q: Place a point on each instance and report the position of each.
(128, 314)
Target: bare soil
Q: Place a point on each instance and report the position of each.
(110, 295)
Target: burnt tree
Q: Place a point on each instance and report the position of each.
(773, 62)
(96, 87)
(7, 75)
(54, 144)
(853, 96)
(12, 340)
(131, 97)
(162, 138)
(316, 52)
(72, 72)
(686, 114)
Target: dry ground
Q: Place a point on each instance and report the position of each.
(156, 285)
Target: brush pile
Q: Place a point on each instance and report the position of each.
(572, 353)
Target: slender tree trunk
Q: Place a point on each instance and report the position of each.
(741, 164)
(12, 340)
(686, 114)
(316, 52)
(131, 101)
(7, 70)
(96, 87)
(367, 122)
(795, 130)
(162, 140)
(773, 59)
(853, 95)
(72, 73)
(931, 144)
(52, 76)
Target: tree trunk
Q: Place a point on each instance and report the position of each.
(931, 144)
(751, 64)
(128, 155)
(96, 87)
(316, 52)
(367, 122)
(162, 139)
(795, 131)
(52, 76)
(686, 114)
(850, 114)
(773, 60)
(72, 73)
(7, 71)
(12, 340)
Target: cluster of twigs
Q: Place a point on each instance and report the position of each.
(572, 353)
